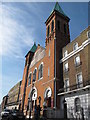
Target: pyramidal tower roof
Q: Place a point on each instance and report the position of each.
(59, 10)
(34, 47)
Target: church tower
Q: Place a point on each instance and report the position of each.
(57, 30)
(57, 25)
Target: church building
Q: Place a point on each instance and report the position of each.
(56, 74)
(42, 71)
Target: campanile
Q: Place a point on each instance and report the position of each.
(57, 30)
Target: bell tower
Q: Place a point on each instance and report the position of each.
(57, 25)
(57, 32)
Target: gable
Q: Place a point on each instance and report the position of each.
(38, 55)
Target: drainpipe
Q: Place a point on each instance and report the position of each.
(55, 74)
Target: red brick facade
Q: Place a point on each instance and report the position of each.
(56, 39)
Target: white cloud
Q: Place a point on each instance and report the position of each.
(14, 35)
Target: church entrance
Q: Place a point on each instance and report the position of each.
(47, 97)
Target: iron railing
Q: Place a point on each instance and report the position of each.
(75, 86)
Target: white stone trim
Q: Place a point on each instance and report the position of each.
(84, 44)
(76, 90)
(40, 78)
(48, 88)
(35, 92)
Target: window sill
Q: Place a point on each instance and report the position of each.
(40, 78)
(29, 85)
(78, 64)
(66, 70)
(34, 81)
(66, 89)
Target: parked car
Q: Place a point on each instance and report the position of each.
(16, 115)
(5, 113)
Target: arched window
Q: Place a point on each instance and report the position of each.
(48, 31)
(47, 97)
(29, 81)
(34, 75)
(40, 74)
(52, 25)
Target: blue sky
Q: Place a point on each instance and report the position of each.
(21, 25)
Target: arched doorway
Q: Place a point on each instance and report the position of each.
(47, 97)
(32, 99)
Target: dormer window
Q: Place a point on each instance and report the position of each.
(75, 46)
(65, 53)
(52, 25)
(48, 31)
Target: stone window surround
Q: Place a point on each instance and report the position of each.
(77, 55)
(65, 69)
(65, 53)
(64, 84)
(75, 46)
(76, 77)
